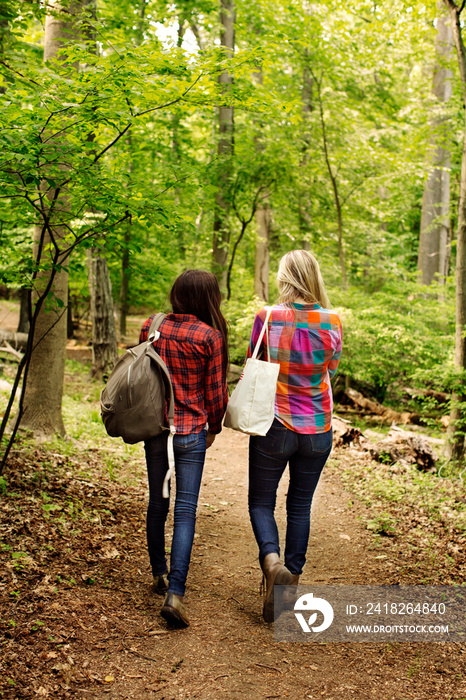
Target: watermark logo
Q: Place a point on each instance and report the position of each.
(308, 604)
(353, 613)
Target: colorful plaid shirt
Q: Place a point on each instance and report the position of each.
(193, 353)
(306, 341)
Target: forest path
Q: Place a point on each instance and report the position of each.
(228, 651)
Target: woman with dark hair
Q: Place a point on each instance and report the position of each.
(193, 343)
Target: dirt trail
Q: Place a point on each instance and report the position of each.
(228, 651)
(102, 635)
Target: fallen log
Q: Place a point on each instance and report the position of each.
(399, 446)
(387, 415)
(440, 396)
(343, 432)
(6, 348)
(404, 447)
(17, 340)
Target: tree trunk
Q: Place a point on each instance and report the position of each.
(262, 253)
(434, 234)
(69, 318)
(24, 311)
(125, 258)
(336, 191)
(176, 150)
(304, 203)
(43, 385)
(4, 32)
(456, 429)
(125, 279)
(43, 392)
(221, 226)
(263, 217)
(104, 340)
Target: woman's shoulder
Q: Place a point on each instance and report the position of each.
(332, 315)
(274, 309)
(190, 324)
(144, 333)
(329, 319)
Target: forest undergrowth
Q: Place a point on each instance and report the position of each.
(72, 546)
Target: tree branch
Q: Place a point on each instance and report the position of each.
(244, 224)
(168, 104)
(17, 72)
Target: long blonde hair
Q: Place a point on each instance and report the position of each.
(299, 277)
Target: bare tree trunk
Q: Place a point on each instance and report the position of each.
(263, 216)
(104, 340)
(125, 279)
(434, 234)
(69, 317)
(24, 311)
(43, 392)
(221, 226)
(176, 155)
(125, 258)
(262, 252)
(43, 388)
(456, 430)
(4, 32)
(336, 192)
(305, 220)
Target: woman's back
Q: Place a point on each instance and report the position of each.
(193, 353)
(305, 339)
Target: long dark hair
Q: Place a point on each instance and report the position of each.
(197, 292)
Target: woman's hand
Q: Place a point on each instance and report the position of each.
(210, 439)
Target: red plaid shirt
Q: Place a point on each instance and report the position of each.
(193, 353)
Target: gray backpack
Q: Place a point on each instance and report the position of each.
(133, 402)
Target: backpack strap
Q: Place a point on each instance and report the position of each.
(152, 337)
(154, 333)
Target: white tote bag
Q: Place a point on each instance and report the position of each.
(251, 405)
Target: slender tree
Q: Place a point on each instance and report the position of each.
(435, 220)
(43, 390)
(221, 226)
(335, 185)
(263, 224)
(104, 341)
(305, 219)
(457, 427)
(262, 248)
(125, 256)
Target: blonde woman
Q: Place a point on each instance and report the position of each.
(305, 338)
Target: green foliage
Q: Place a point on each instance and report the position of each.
(66, 139)
(240, 317)
(382, 524)
(134, 127)
(385, 488)
(392, 337)
(120, 144)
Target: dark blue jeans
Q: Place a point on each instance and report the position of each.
(189, 463)
(268, 457)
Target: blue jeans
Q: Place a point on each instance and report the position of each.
(189, 464)
(268, 457)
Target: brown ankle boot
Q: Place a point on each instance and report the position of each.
(173, 611)
(160, 584)
(275, 574)
(289, 594)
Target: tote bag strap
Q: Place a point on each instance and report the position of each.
(259, 340)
